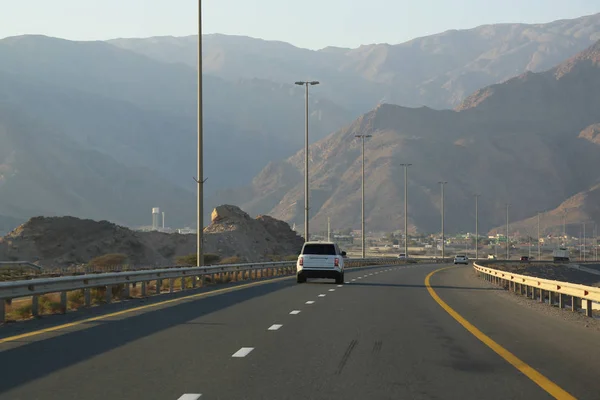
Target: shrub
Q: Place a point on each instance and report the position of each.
(190, 259)
(108, 260)
(24, 311)
(75, 299)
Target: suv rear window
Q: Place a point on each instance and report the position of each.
(319, 248)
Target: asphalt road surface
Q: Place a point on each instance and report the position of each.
(379, 336)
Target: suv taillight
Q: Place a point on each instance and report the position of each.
(301, 261)
(337, 262)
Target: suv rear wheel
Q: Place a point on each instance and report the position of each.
(300, 278)
(340, 278)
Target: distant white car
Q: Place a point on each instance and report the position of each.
(320, 260)
(491, 257)
(461, 259)
(402, 256)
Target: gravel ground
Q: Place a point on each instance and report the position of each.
(555, 272)
(566, 315)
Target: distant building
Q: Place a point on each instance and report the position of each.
(156, 223)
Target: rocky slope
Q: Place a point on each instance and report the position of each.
(525, 141)
(61, 241)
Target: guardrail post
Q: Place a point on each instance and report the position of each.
(126, 291)
(108, 294)
(194, 281)
(2, 311)
(35, 305)
(158, 285)
(182, 283)
(561, 300)
(171, 285)
(541, 295)
(87, 297)
(550, 297)
(588, 309)
(144, 289)
(63, 301)
(573, 303)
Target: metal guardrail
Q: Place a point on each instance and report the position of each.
(542, 289)
(33, 288)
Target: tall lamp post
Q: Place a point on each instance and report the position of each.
(476, 225)
(306, 194)
(539, 245)
(442, 183)
(362, 219)
(200, 179)
(507, 237)
(406, 208)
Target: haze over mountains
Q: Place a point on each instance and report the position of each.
(128, 106)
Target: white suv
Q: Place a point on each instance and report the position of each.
(320, 260)
(461, 259)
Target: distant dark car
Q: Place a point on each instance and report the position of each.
(524, 259)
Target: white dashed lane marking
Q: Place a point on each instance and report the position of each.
(342, 285)
(332, 290)
(190, 396)
(243, 352)
(321, 295)
(295, 312)
(310, 302)
(275, 327)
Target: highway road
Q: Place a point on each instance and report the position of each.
(382, 335)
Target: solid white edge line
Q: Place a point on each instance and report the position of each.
(190, 396)
(243, 352)
(274, 327)
(295, 312)
(309, 302)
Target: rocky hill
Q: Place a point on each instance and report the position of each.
(62, 241)
(529, 141)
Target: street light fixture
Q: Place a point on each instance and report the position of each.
(442, 183)
(306, 194)
(406, 208)
(363, 137)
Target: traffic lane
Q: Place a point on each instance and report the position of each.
(382, 338)
(119, 357)
(563, 350)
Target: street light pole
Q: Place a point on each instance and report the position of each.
(442, 183)
(565, 226)
(306, 193)
(362, 219)
(539, 246)
(477, 226)
(583, 243)
(507, 237)
(200, 180)
(328, 229)
(406, 208)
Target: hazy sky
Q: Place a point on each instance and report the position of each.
(305, 23)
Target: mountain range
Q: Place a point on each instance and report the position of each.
(437, 71)
(128, 106)
(531, 141)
